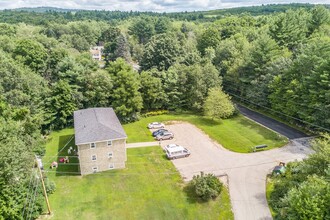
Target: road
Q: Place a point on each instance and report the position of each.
(246, 172)
(272, 124)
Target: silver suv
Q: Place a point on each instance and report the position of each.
(165, 136)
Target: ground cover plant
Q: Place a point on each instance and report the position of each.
(149, 188)
(237, 134)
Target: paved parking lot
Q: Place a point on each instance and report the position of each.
(246, 172)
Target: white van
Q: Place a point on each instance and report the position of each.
(176, 152)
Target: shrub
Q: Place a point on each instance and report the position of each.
(50, 186)
(154, 113)
(206, 186)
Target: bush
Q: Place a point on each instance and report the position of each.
(206, 186)
(50, 186)
(154, 113)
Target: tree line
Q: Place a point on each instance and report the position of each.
(279, 62)
(36, 16)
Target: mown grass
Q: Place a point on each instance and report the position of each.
(237, 134)
(148, 188)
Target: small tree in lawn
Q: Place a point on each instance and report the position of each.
(206, 186)
(218, 104)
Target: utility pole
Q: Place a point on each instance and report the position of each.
(43, 187)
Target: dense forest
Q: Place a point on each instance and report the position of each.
(35, 15)
(277, 63)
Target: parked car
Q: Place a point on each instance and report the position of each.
(171, 146)
(165, 136)
(160, 131)
(177, 152)
(156, 125)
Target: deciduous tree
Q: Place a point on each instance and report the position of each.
(308, 201)
(161, 52)
(218, 104)
(209, 38)
(152, 91)
(143, 29)
(32, 54)
(63, 101)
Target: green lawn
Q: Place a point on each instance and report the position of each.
(237, 134)
(149, 188)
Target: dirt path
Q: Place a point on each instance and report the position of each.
(246, 172)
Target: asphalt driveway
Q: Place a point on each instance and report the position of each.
(246, 172)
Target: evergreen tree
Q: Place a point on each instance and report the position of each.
(126, 98)
(290, 29)
(122, 49)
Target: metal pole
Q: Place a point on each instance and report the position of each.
(43, 187)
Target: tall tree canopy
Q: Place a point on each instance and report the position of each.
(32, 54)
(161, 52)
(125, 98)
(209, 38)
(290, 29)
(143, 29)
(303, 91)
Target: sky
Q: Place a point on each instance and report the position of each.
(146, 5)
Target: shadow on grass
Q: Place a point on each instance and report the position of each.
(204, 121)
(191, 195)
(164, 157)
(70, 168)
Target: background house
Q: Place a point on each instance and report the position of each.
(101, 140)
(97, 52)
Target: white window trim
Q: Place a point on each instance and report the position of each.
(109, 145)
(90, 145)
(93, 156)
(95, 170)
(113, 166)
(111, 155)
(103, 141)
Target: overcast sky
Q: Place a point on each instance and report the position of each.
(145, 5)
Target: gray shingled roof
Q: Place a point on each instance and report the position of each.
(97, 124)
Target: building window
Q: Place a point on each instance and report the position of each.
(111, 166)
(93, 145)
(109, 143)
(110, 154)
(94, 157)
(95, 169)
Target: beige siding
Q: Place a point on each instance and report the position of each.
(102, 150)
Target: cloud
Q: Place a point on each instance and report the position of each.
(144, 5)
